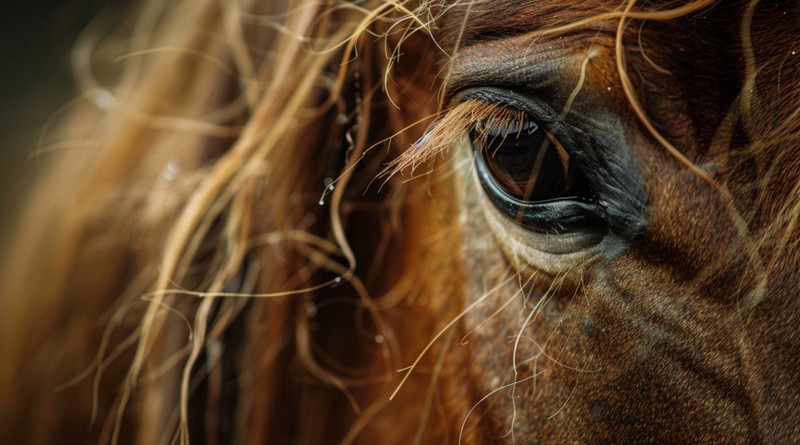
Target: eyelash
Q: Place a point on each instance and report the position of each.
(449, 131)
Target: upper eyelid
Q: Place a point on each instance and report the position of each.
(513, 99)
(529, 106)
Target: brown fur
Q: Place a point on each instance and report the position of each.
(176, 278)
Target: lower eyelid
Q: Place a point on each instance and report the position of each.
(549, 253)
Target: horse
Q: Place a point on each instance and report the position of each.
(428, 222)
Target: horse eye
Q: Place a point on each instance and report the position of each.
(527, 163)
(531, 178)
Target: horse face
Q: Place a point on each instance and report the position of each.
(645, 302)
(601, 249)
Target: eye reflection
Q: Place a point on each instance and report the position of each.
(526, 162)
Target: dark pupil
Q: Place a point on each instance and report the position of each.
(526, 163)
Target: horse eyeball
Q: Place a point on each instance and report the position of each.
(526, 162)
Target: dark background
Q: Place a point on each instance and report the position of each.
(36, 38)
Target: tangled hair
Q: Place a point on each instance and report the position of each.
(221, 244)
